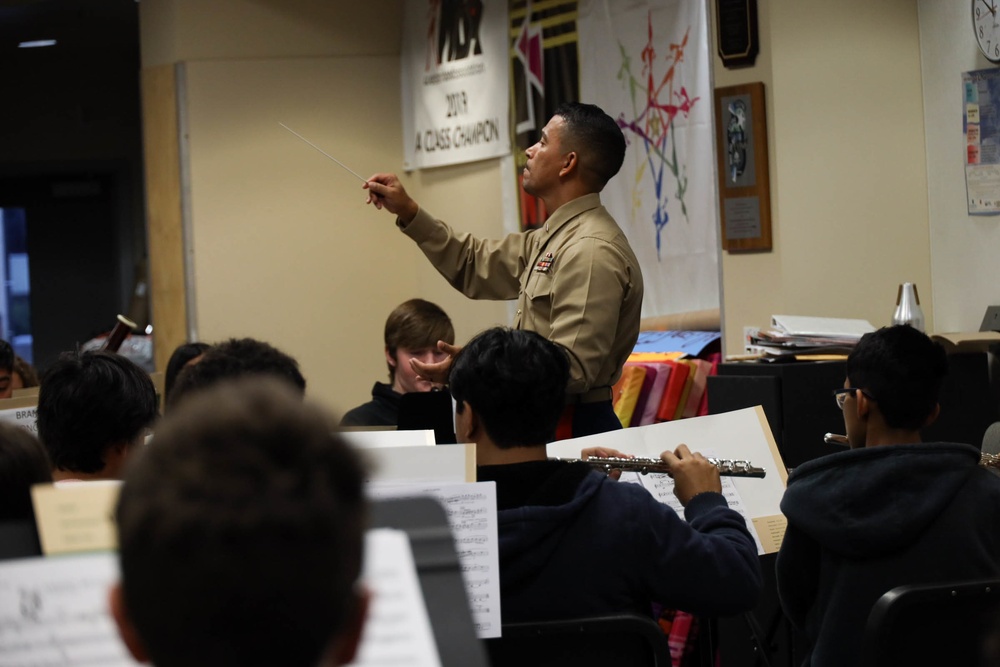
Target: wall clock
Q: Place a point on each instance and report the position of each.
(986, 24)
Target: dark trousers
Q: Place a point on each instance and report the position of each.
(580, 419)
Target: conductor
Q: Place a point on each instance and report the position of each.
(576, 280)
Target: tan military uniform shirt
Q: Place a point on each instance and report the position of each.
(576, 281)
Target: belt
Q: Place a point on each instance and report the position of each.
(595, 395)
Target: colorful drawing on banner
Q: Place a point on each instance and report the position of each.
(656, 102)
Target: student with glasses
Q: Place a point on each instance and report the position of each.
(890, 511)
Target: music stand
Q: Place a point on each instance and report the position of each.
(438, 568)
(428, 410)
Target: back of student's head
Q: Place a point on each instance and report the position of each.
(902, 370)
(23, 462)
(183, 354)
(515, 380)
(597, 140)
(416, 325)
(89, 402)
(240, 531)
(237, 358)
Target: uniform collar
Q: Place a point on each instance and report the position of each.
(570, 210)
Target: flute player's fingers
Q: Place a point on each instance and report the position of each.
(692, 473)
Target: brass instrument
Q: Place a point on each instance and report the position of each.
(727, 467)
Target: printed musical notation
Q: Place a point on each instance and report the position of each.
(53, 613)
(662, 488)
(472, 515)
(397, 631)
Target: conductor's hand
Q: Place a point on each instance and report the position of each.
(692, 473)
(437, 372)
(385, 191)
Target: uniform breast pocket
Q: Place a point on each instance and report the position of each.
(538, 303)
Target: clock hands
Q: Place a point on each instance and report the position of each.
(992, 8)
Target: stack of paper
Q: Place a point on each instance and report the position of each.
(794, 334)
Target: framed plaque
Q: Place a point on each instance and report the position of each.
(744, 182)
(736, 26)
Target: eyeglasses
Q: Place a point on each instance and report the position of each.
(840, 395)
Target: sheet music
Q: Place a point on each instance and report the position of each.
(371, 438)
(661, 486)
(54, 613)
(76, 517)
(398, 631)
(472, 514)
(423, 465)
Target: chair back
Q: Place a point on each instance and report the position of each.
(933, 624)
(624, 639)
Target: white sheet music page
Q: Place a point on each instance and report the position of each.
(398, 631)
(54, 613)
(472, 514)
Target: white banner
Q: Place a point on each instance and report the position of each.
(455, 82)
(647, 63)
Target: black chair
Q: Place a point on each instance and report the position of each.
(584, 642)
(932, 624)
(19, 539)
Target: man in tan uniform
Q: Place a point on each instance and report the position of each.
(576, 279)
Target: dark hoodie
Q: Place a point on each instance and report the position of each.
(575, 543)
(864, 521)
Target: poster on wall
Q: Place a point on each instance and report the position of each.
(454, 82)
(648, 65)
(981, 127)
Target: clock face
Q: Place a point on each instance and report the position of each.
(986, 24)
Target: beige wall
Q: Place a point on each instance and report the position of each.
(848, 178)
(284, 248)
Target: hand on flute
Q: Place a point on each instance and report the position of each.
(385, 191)
(436, 373)
(605, 453)
(692, 473)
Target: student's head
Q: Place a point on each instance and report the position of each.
(511, 385)
(236, 358)
(900, 371)
(596, 138)
(412, 331)
(93, 408)
(240, 533)
(23, 462)
(24, 374)
(182, 356)
(6, 369)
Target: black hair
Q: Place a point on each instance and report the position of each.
(515, 380)
(597, 140)
(902, 370)
(23, 462)
(89, 402)
(240, 530)
(178, 360)
(233, 359)
(6, 356)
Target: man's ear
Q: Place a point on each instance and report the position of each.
(571, 161)
(863, 403)
(126, 630)
(347, 643)
(389, 358)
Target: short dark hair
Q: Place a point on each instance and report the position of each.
(240, 530)
(178, 360)
(89, 402)
(597, 140)
(23, 462)
(235, 358)
(6, 356)
(515, 380)
(903, 370)
(415, 325)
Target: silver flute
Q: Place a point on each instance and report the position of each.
(727, 467)
(986, 459)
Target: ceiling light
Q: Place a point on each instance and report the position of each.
(37, 43)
